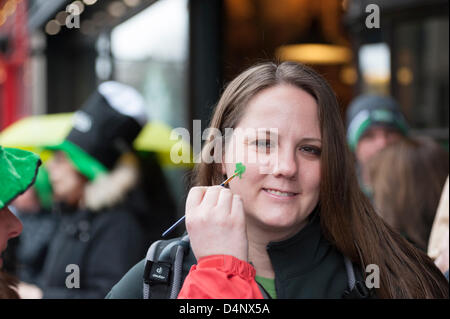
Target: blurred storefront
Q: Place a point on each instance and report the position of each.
(311, 32)
(407, 57)
(180, 53)
(14, 53)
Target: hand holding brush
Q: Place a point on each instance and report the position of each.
(240, 169)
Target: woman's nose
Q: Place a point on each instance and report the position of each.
(285, 164)
(12, 224)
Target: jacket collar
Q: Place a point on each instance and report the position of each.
(300, 253)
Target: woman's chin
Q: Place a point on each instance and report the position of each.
(280, 223)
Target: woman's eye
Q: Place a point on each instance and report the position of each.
(311, 150)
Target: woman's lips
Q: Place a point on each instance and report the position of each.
(279, 194)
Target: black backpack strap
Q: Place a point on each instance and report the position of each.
(356, 288)
(163, 268)
(182, 248)
(150, 258)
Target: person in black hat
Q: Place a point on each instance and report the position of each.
(373, 122)
(92, 173)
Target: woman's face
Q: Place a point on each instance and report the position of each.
(67, 183)
(10, 227)
(281, 188)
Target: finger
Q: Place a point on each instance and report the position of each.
(237, 207)
(195, 197)
(225, 200)
(211, 196)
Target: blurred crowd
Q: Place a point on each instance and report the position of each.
(98, 204)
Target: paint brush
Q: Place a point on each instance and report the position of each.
(240, 169)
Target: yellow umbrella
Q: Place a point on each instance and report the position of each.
(35, 132)
(155, 137)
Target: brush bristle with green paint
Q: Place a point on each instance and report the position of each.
(240, 169)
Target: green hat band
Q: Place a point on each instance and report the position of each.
(83, 162)
(365, 119)
(43, 188)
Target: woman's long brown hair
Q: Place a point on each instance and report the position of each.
(407, 179)
(348, 219)
(7, 285)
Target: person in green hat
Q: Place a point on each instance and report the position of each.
(28, 251)
(18, 170)
(373, 122)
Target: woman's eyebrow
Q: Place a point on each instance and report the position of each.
(269, 132)
(259, 133)
(273, 134)
(311, 139)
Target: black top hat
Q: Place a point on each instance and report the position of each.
(104, 128)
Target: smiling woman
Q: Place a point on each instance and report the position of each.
(301, 228)
(278, 203)
(306, 214)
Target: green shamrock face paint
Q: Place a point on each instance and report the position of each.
(240, 169)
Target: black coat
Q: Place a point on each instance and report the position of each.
(38, 231)
(306, 266)
(103, 244)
